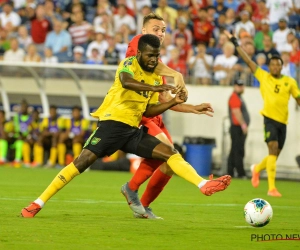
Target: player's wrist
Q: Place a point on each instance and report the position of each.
(234, 41)
(244, 126)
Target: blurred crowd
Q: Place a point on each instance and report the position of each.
(98, 32)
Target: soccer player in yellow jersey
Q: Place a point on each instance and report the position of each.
(76, 129)
(51, 128)
(276, 90)
(133, 94)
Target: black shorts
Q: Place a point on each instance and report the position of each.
(111, 136)
(275, 131)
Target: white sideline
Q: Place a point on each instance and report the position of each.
(88, 201)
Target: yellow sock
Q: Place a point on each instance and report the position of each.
(26, 151)
(77, 147)
(62, 179)
(184, 169)
(38, 152)
(271, 171)
(62, 149)
(53, 155)
(262, 165)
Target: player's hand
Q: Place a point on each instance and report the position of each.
(180, 97)
(179, 82)
(228, 34)
(162, 88)
(244, 128)
(203, 109)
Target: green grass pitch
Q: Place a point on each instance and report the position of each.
(90, 213)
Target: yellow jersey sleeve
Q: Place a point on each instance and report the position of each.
(85, 124)
(8, 127)
(154, 98)
(44, 124)
(127, 66)
(68, 123)
(295, 92)
(261, 75)
(60, 122)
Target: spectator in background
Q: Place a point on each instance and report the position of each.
(50, 14)
(4, 42)
(32, 54)
(9, 19)
(14, 54)
(259, 36)
(280, 35)
(171, 12)
(239, 122)
(202, 28)
(183, 30)
(220, 26)
(68, 11)
(218, 49)
(76, 8)
(23, 38)
(224, 65)
(232, 4)
(40, 27)
(211, 15)
(176, 63)
(100, 43)
(49, 57)
(289, 41)
(80, 30)
(78, 55)
(105, 22)
(295, 53)
(130, 7)
(245, 23)
(145, 10)
(111, 55)
(201, 65)
(185, 50)
(60, 42)
(262, 13)
(288, 68)
(230, 20)
(123, 18)
(121, 44)
(249, 5)
(220, 8)
(278, 10)
(261, 61)
(268, 50)
(95, 57)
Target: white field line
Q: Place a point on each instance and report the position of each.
(89, 201)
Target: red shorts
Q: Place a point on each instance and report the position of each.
(156, 126)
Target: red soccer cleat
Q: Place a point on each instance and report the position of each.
(216, 185)
(31, 210)
(255, 176)
(274, 192)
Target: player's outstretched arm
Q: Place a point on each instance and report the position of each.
(157, 109)
(204, 108)
(251, 64)
(129, 83)
(163, 70)
(298, 101)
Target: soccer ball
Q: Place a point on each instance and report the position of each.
(258, 212)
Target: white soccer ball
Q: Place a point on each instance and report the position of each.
(258, 212)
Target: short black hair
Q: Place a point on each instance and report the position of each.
(150, 40)
(275, 57)
(53, 106)
(76, 107)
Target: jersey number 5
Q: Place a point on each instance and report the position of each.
(277, 88)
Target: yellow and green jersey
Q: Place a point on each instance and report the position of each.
(276, 93)
(125, 105)
(53, 125)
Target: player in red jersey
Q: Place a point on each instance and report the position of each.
(159, 171)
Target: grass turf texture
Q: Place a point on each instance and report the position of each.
(90, 213)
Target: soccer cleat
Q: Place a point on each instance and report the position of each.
(274, 192)
(35, 165)
(216, 185)
(255, 176)
(148, 215)
(31, 210)
(133, 199)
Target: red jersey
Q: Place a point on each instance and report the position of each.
(295, 58)
(39, 30)
(234, 102)
(132, 51)
(202, 31)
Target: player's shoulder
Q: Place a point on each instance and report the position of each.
(129, 61)
(136, 38)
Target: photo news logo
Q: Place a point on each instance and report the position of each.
(274, 237)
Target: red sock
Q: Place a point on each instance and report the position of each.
(145, 170)
(156, 184)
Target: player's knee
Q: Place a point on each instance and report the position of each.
(166, 169)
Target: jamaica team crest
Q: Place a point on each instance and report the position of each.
(95, 140)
